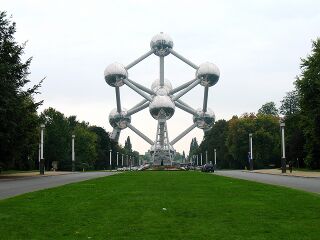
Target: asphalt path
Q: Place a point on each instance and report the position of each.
(301, 183)
(17, 186)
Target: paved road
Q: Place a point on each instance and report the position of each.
(306, 184)
(10, 188)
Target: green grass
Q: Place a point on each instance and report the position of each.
(130, 206)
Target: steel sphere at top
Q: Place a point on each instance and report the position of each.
(208, 73)
(204, 120)
(161, 44)
(119, 120)
(114, 74)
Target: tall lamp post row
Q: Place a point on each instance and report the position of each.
(41, 151)
(283, 149)
(41, 158)
(195, 159)
(129, 161)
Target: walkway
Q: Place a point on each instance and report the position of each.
(302, 183)
(13, 186)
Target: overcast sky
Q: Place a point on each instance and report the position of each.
(257, 46)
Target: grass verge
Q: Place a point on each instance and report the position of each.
(162, 205)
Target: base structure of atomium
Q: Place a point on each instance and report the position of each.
(161, 99)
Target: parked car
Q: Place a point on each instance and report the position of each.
(208, 167)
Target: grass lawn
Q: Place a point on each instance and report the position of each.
(162, 205)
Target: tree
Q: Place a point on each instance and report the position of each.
(308, 86)
(103, 147)
(18, 110)
(128, 145)
(290, 103)
(85, 147)
(216, 139)
(268, 108)
(57, 139)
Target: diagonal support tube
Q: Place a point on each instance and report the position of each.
(185, 104)
(139, 59)
(141, 87)
(140, 103)
(140, 134)
(115, 135)
(205, 99)
(137, 90)
(118, 100)
(185, 108)
(161, 71)
(137, 109)
(180, 94)
(183, 86)
(185, 132)
(191, 64)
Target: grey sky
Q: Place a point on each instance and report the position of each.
(256, 44)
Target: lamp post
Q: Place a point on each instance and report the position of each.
(251, 153)
(110, 159)
(122, 160)
(72, 154)
(117, 159)
(39, 155)
(215, 158)
(42, 126)
(283, 148)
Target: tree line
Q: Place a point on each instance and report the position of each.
(20, 122)
(299, 110)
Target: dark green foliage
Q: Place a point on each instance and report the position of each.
(128, 145)
(231, 141)
(18, 110)
(103, 147)
(308, 86)
(162, 205)
(268, 108)
(92, 144)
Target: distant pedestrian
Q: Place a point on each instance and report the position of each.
(290, 166)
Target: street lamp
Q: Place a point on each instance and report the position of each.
(110, 159)
(122, 160)
(73, 155)
(251, 153)
(42, 126)
(117, 159)
(215, 158)
(283, 147)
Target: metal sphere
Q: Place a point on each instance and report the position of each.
(156, 85)
(114, 74)
(161, 44)
(208, 73)
(162, 107)
(204, 120)
(119, 120)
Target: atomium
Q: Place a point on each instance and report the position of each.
(161, 98)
